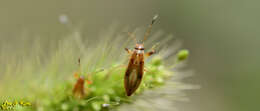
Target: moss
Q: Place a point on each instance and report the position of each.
(105, 93)
(48, 83)
(182, 55)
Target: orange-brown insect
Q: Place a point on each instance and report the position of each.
(135, 68)
(79, 90)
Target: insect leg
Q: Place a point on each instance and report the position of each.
(147, 70)
(150, 53)
(128, 51)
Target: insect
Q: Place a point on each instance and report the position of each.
(79, 90)
(135, 69)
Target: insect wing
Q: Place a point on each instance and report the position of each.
(133, 76)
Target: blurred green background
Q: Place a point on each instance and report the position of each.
(222, 36)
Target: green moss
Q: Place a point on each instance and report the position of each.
(183, 55)
(106, 91)
(48, 83)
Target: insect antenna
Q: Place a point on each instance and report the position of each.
(78, 73)
(79, 65)
(148, 31)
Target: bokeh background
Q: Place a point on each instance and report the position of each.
(222, 36)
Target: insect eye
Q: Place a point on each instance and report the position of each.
(139, 48)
